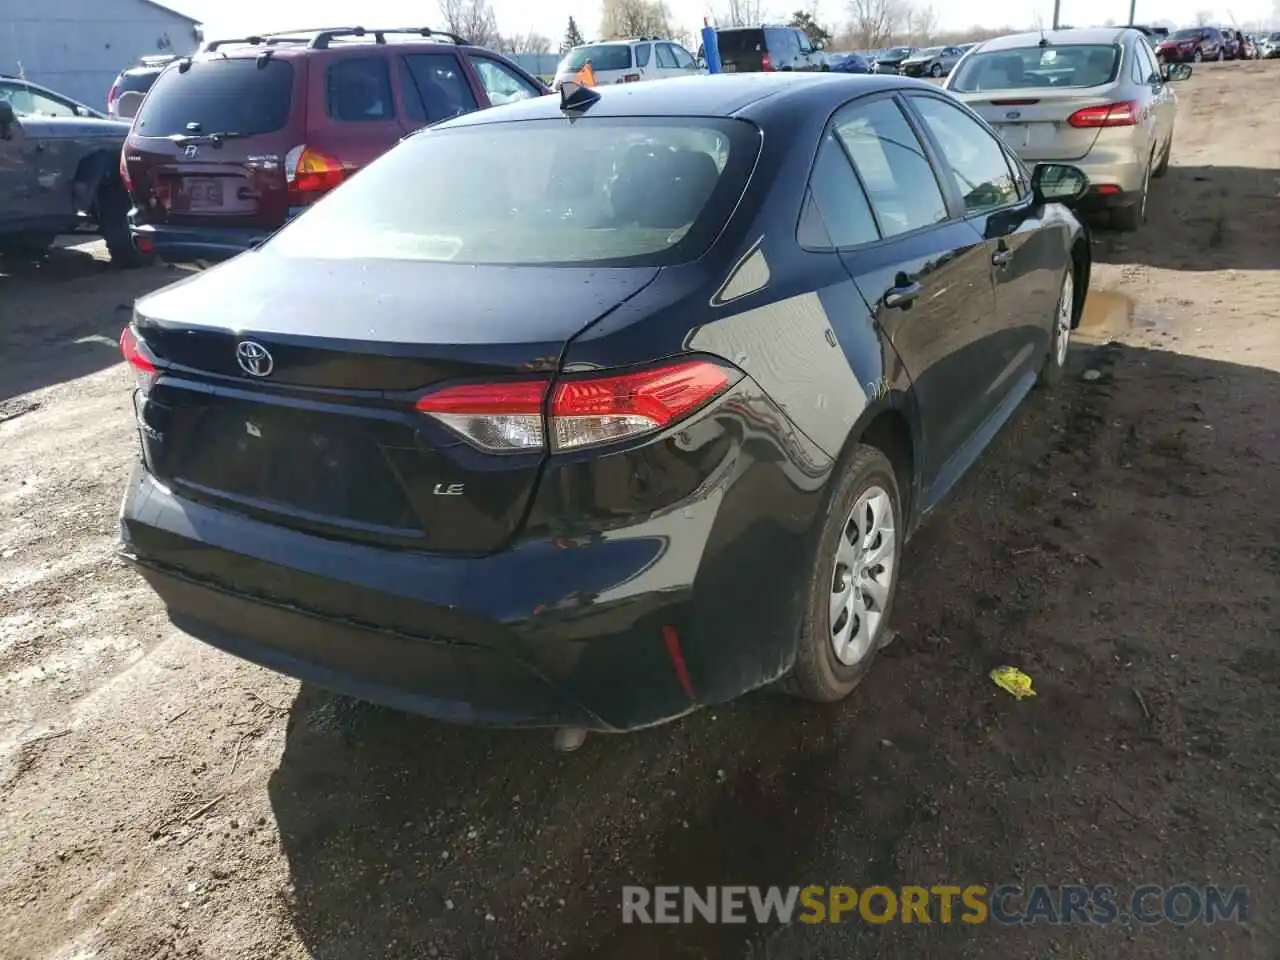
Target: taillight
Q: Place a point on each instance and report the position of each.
(111, 96)
(629, 78)
(139, 357)
(583, 410)
(1122, 114)
(310, 173)
(766, 63)
(124, 173)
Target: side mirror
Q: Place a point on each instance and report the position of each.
(1177, 71)
(1058, 183)
(7, 118)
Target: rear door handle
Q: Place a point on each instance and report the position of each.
(1001, 257)
(903, 296)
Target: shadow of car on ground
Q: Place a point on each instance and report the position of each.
(1079, 548)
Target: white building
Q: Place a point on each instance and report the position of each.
(77, 47)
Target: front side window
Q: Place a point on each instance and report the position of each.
(46, 106)
(684, 60)
(975, 158)
(19, 97)
(608, 191)
(666, 59)
(501, 83)
(899, 179)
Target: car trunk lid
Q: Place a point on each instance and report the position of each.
(314, 425)
(1034, 121)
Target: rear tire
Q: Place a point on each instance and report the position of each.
(851, 565)
(1132, 217)
(1163, 166)
(935, 71)
(113, 224)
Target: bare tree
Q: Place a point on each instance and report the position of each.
(1203, 17)
(634, 18)
(876, 22)
(741, 13)
(472, 20)
(530, 42)
(922, 24)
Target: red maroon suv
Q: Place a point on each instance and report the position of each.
(234, 141)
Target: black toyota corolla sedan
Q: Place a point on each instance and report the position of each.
(592, 410)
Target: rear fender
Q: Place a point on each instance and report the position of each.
(93, 171)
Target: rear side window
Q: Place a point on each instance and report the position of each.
(642, 54)
(838, 200)
(612, 191)
(358, 89)
(899, 178)
(225, 95)
(434, 87)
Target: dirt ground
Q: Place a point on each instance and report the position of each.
(1120, 542)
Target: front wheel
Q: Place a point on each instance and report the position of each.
(853, 580)
(1197, 57)
(1222, 55)
(935, 71)
(1055, 361)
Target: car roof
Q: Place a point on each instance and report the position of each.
(1055, 38)
(716, 95)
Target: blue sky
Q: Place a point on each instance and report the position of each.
(550, 16)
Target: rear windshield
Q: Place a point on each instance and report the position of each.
(139, 82)
(1078, 65)
(603, 56)
(897, 52)
(1188, 34)
(232, 95)
(734, 42)
(607, 191)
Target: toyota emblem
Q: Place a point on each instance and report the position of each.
(254, 358)
(191, 152)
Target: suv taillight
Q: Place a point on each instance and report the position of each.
(111, 96)
(766, 63)
(124, 172)
(1122, 114)
(508, 417)
(310, 173)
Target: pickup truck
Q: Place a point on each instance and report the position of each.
(59, 173)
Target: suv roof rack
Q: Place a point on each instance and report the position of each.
(320, 38)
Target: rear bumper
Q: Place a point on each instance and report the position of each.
(1096, 201)
(617, 629)
(186, 243)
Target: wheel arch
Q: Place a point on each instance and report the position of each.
(1081, 268)
(890, 426)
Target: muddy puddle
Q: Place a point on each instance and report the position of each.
(1109, 315)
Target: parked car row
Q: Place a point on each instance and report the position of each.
(1196, 44)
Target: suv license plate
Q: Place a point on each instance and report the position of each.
(204, 194)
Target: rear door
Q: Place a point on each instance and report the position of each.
(434, 87)
(924, 275)
(209, 143)
(17, 172)
(352, 113)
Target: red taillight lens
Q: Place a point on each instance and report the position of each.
(310, 173)
(629, 78)
(1123, 114)
(584, 410)
(139, 357)
(766, 64)
(111, 96)
(124, 173)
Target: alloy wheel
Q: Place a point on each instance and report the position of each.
(865, 565)
(1198, 57)
(1062, 331)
